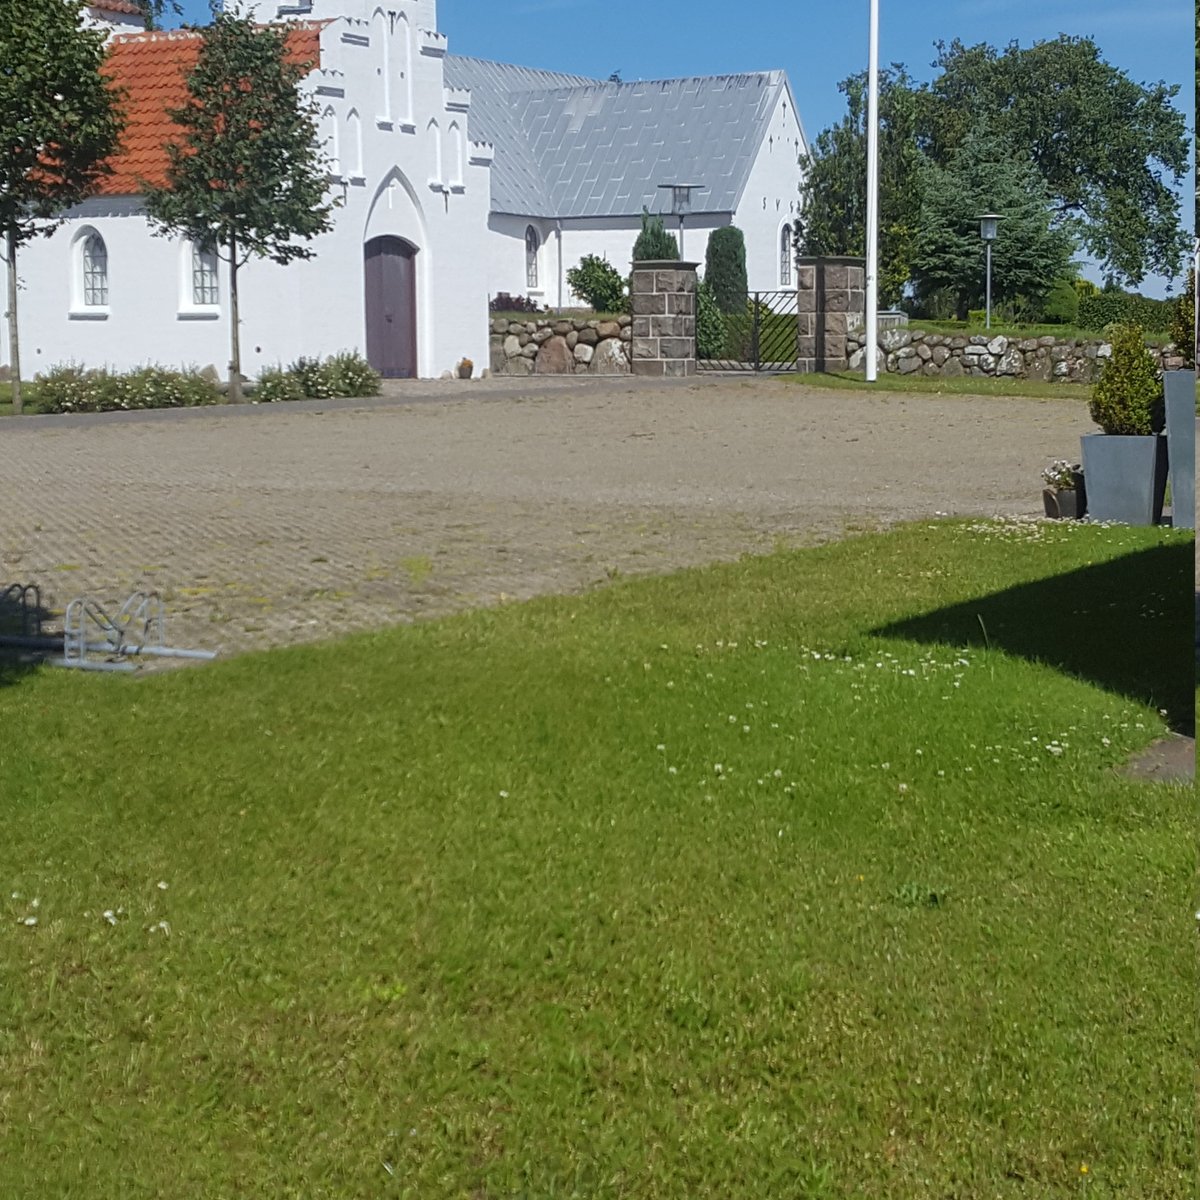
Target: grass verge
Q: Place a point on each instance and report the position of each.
(790, 877)
(937, 386)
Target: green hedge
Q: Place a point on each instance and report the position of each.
(1109, 308)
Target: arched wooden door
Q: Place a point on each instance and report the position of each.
(391, 306)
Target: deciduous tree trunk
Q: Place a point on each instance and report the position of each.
(14, 341)
(235, 352)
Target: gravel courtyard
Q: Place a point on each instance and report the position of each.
(265, 526)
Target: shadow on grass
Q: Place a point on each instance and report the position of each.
(22, 614)
(1127, 625)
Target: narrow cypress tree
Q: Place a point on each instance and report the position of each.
(725, 268)
(654, 242)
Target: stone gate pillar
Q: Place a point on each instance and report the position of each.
(831, 299)
(663, 302)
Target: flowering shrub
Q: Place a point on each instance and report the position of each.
(344, 374)
(312, 377)
(275, 385)
(72, 389)
(349, 374)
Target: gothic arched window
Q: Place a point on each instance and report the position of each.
(785, 257)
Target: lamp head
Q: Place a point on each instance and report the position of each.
(987, 225)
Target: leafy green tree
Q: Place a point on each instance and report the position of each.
(654, 242)
(834, 217)
(59, 124)
(725, 268)
(247, 177)
(1029, 252)
(1111, 151)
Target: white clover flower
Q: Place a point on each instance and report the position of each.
(161, 885)
(29, 921)
(718, 768)
(661, 747)
(672, 771)
(503, 795)
(110, 916)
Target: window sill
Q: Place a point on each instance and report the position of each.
(92, 313)
(199, 314)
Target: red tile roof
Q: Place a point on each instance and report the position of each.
(126, 7)
(151, 69)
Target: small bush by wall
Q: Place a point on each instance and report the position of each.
(74, 389)
(598, 283)
(344, 374)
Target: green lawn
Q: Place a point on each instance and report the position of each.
(936, 385)
(805, 876)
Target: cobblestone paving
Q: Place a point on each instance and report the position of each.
(265, 526)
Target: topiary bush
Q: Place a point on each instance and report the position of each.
(72, 388)
(725, 268)
(598, 283)
(1127, 399)
(710, 327)
(654, 242)
(1061, 304)
(1183, 322)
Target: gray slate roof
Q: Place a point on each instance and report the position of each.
(567, 146)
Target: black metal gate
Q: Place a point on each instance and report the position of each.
(760, 335)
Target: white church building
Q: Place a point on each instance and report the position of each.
(457, 179)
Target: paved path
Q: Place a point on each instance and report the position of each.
(268, 525)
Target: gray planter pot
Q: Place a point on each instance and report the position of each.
(1126, 477)
(1180, 387)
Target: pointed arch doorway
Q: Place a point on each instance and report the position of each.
(390, 274)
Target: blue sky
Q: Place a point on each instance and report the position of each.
(817, 42)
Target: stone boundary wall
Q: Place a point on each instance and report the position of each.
(908, 351)
(553, 345)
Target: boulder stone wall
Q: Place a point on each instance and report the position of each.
(911, 351)
(555, 345)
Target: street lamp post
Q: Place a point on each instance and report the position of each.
(681, 203)
(987, 231)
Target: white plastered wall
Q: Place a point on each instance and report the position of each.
(393, 185)
(772, 195)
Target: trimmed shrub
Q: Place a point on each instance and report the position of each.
(1183, 321)
(72, 388)
(598, 283)
(1061, 305)
(1127, 399)
(725, 268)
(275, 384)
(654, 242)
(710, 328)
(1124, 308)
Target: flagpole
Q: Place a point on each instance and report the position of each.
(871, 344)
